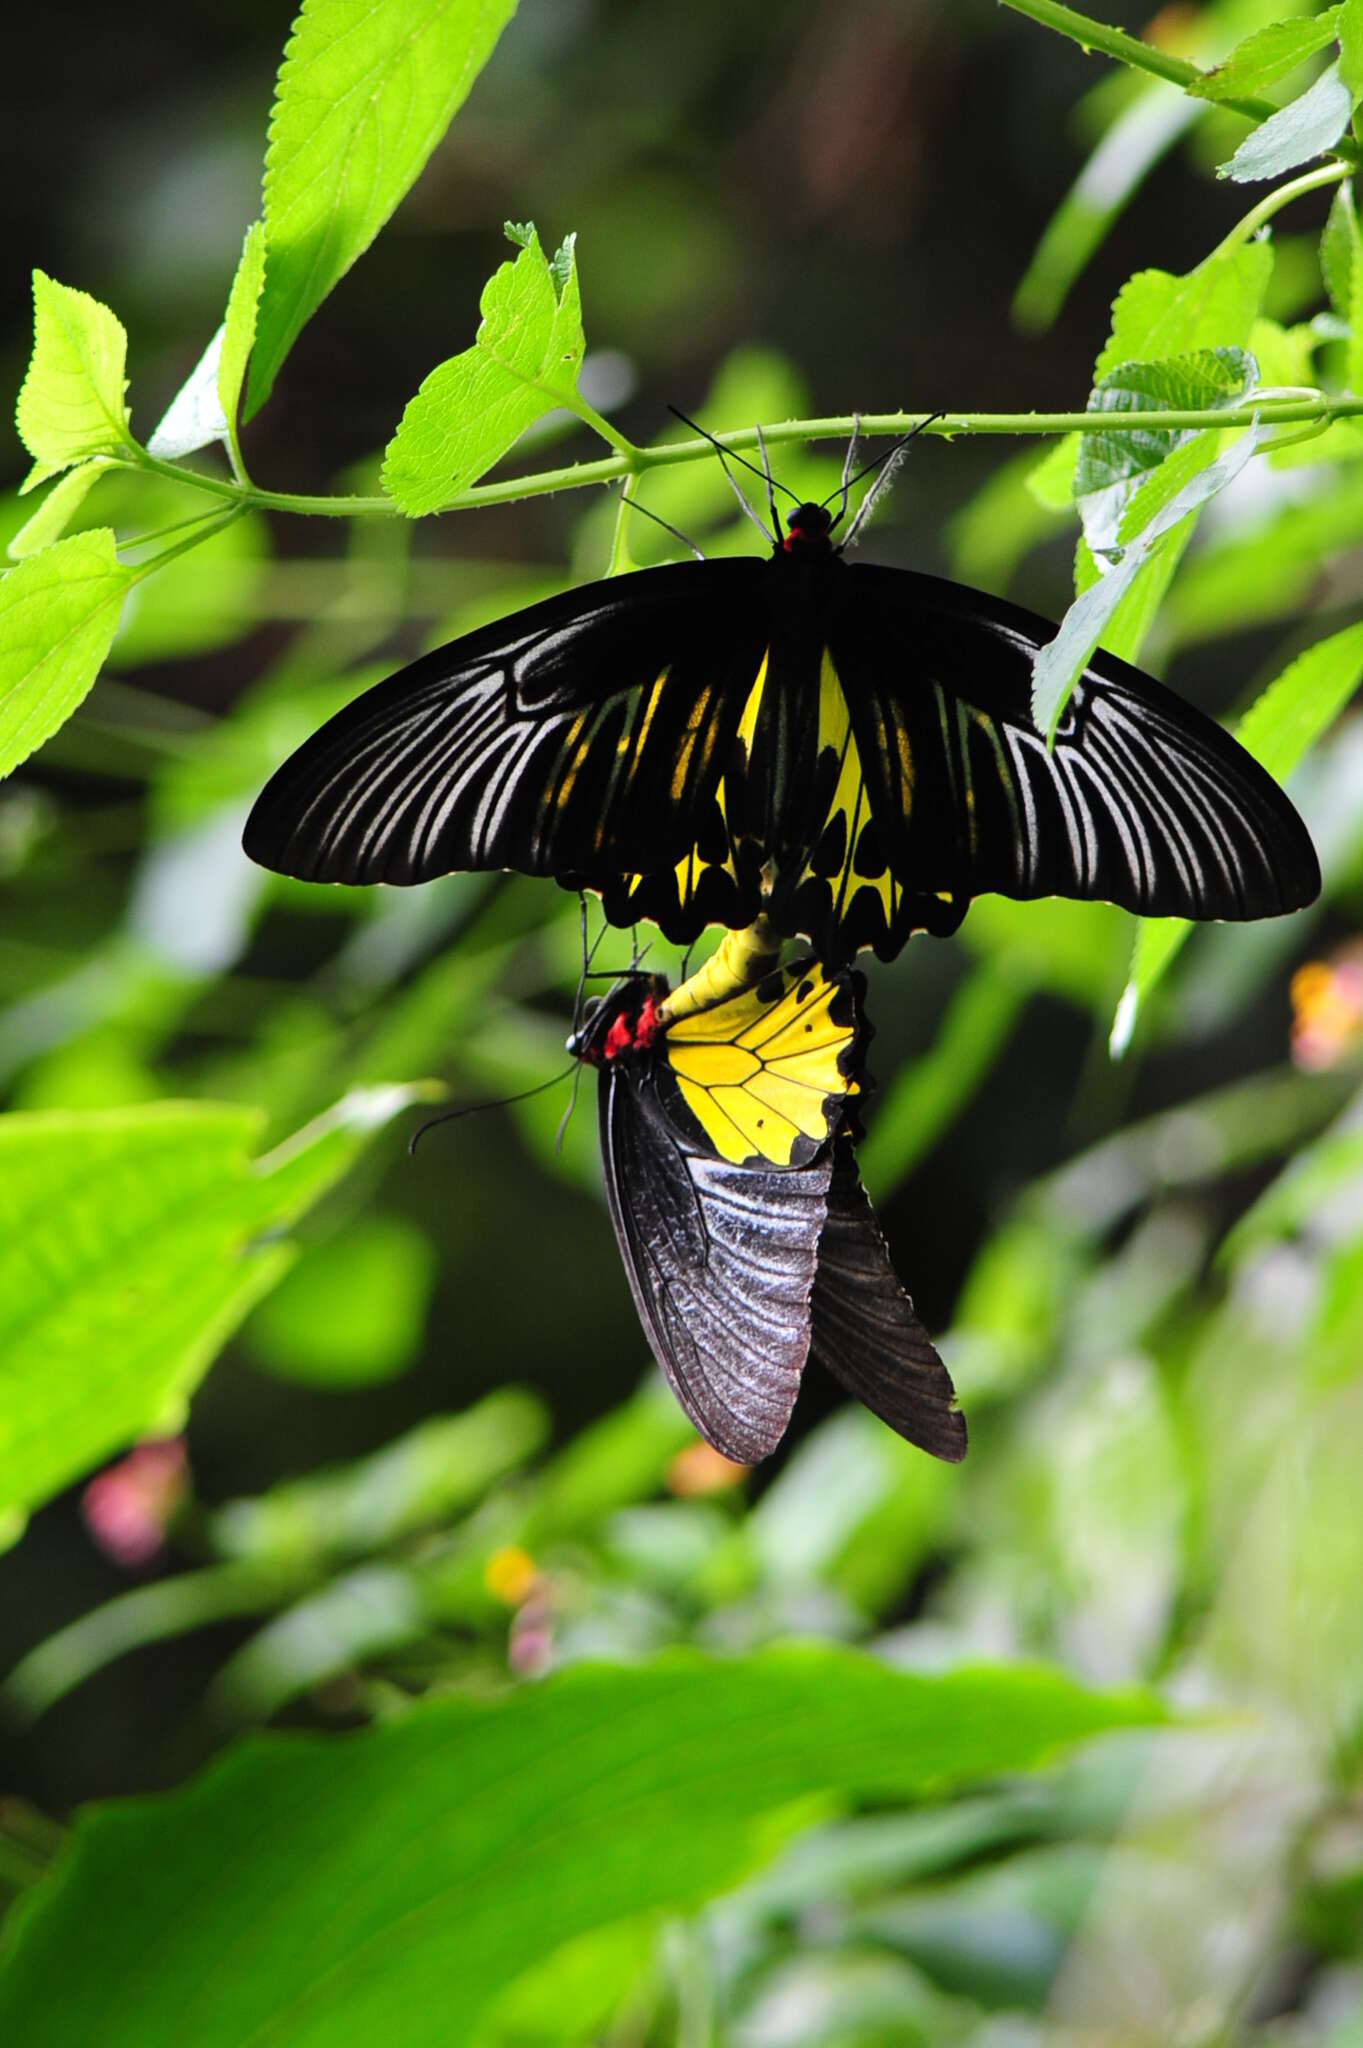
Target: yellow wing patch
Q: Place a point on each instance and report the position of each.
(847, 857)
(765, 1073)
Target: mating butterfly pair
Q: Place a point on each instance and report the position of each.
(845, 750)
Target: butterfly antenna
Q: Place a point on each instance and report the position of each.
(658, 520)
(848, 459)
(771, 492)
(887, 464)
(449, 1116)
(895, 448)
(728, 455)
(567, 1115)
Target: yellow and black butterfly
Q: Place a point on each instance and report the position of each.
(674, 738)
(746, 1234)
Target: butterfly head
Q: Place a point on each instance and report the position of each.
(808, 529)
(624, 1021)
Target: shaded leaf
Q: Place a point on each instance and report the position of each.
(523, 363)
(72, 401)
(1278, 729)
(352, 1310)
(239, 323)
(1339, 250)
(194, 418)
(364, 95)
(1307, 127)
(204, 409)
(420, 1866)
(1112, 469)
(1267, 55)
(58, 613)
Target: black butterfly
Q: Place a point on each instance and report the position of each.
(746, 1234)
(850, 748)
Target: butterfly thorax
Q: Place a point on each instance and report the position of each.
(809, 533)
(627, 1021)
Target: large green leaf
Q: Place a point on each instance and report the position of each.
(385, 1886)
(1278, 730)
(1264, 57)
(1157, 314)
(365, 94)
(71, 404)
(1307, 127)
(59, 610)
(132, 1242)
(524, 362)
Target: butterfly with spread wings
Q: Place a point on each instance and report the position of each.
(746, 1234)
(847, 748)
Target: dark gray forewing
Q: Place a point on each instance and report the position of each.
(864, 1328)
(720, 1261)
(581, 735)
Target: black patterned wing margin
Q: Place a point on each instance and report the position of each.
(1144, 801)
(721, 1262)
(864, 1330)
(581, 735)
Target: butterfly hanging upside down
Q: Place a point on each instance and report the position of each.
(748, 1240)
(849, 749)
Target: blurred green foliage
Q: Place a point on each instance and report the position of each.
(419, 1477)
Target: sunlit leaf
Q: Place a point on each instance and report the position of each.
(364, 95)
(56, 511)
(1349, 27)
(72, 401)
(523, 363)
(421, 1865)
(1156, 314)
(1307, 127)
(1265, 56)
(1339, 250)
(1278, 730)
(239, 323)
(133, 1242)
(58, 613)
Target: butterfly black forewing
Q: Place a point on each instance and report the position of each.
(721, 1262)
(864, 733)
(864, 1329)
(583, 736)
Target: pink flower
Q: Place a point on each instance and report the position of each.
(128, 1508)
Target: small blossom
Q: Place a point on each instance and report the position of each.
(699, 1469)
(128, 1508)
(1327, 1009)
(509, 1574)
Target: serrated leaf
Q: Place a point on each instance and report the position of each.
(1051, 483)
(1349, 27)
(364, 95)
(239, 324)
(1058, 665)
(132, 1242)
(1306, 128)
(72, 403)
(417, 1867)
(1285, 355)
(1267, 55)
(58, 613)
(56, 511)
(471, 409)
(1111, 468)
(1279, 729)
(194, 418)
(1157, 315)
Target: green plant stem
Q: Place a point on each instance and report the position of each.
(1273, 203)
(1318, 410)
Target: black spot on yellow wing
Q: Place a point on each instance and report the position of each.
(765, 1075)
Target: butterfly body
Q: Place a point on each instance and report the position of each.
(846, 748)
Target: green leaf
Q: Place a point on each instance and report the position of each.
(421, 1866)
(1059, 664)
(364, 95)
(1051, 483)
(204, 409)
(1112, 469)
(1156, 315)
(58, 613)
(1339, 250)
(1350, 31)
(523, 363)
(239, 323)
(132, 1242)
(1307, 127)
(72, 401)
(1267, 55)
(56, 511)
(1278, 729)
